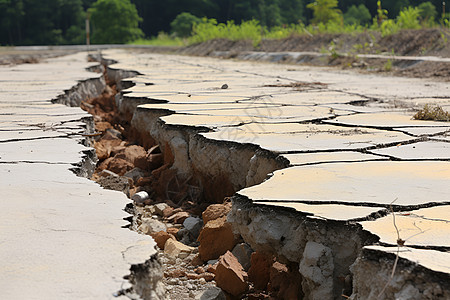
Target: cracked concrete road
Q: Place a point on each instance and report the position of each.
(353, 147)
(61, 235)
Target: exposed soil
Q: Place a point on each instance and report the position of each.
(346, 47)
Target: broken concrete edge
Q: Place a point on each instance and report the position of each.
(373, 276)
(185, 142)
(287, 233)
(145, 278)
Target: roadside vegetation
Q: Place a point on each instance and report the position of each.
(184, 22)
(327, 18)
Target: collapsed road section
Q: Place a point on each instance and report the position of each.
(333, 182)
(62, 236)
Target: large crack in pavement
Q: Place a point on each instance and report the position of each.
(63, 235)
(315, 215)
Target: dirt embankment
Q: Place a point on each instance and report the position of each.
(345, 48)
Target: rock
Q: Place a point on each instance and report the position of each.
(259, 272)
(208, 276)
(243, 253)
(102, 126)
(193, 225)
(230, 276)
(215, 211)
(136, 155)
(154, 161)
(175, 273)
(193, 276)
(150, 225)
(196, 261)
(173, 231)
(160, 207)
(119, 166)
(199, 270)
(113, 133)
(178, 218)
(213, 293)
(167, 212)
(105, 146)
(144, 181)
(135, 174)
(161, 238)
(212, 267)
(284, 284)
(317, 269)
(215, 239)
(103, 165)
(185, 237)
(175, 249)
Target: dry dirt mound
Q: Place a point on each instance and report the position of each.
(346, 48)
(407, 42)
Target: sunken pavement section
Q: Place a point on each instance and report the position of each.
(327, 168)
(61, 236)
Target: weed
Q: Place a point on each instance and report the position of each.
(388, 66)
(400, 243)
(332, 50)
(432, 112)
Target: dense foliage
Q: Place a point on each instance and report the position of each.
(30, 22)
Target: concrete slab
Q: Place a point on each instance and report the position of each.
(306, 137)
(430, 259)
(386, 120)
(423, 227)
(370, 183)
(266, 111)
(326, 157)
(430, 150)
(61, 235)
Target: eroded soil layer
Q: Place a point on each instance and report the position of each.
(330, 174)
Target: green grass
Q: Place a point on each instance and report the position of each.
(210, 29)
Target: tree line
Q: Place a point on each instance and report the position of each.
(59, 22)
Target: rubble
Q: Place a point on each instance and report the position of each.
(230, 276)
(216, 238)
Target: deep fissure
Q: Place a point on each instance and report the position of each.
(299, 232)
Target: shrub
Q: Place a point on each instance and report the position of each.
(409, 18)
(358, 15)
(183, 23)
(432, 112)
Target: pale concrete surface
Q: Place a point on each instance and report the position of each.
(61, 235)
(352, 139)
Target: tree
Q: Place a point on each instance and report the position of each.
(409, 18)
(114, 21)
(428, 11)
(359, 15)
(182, 24)
(325, 11)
